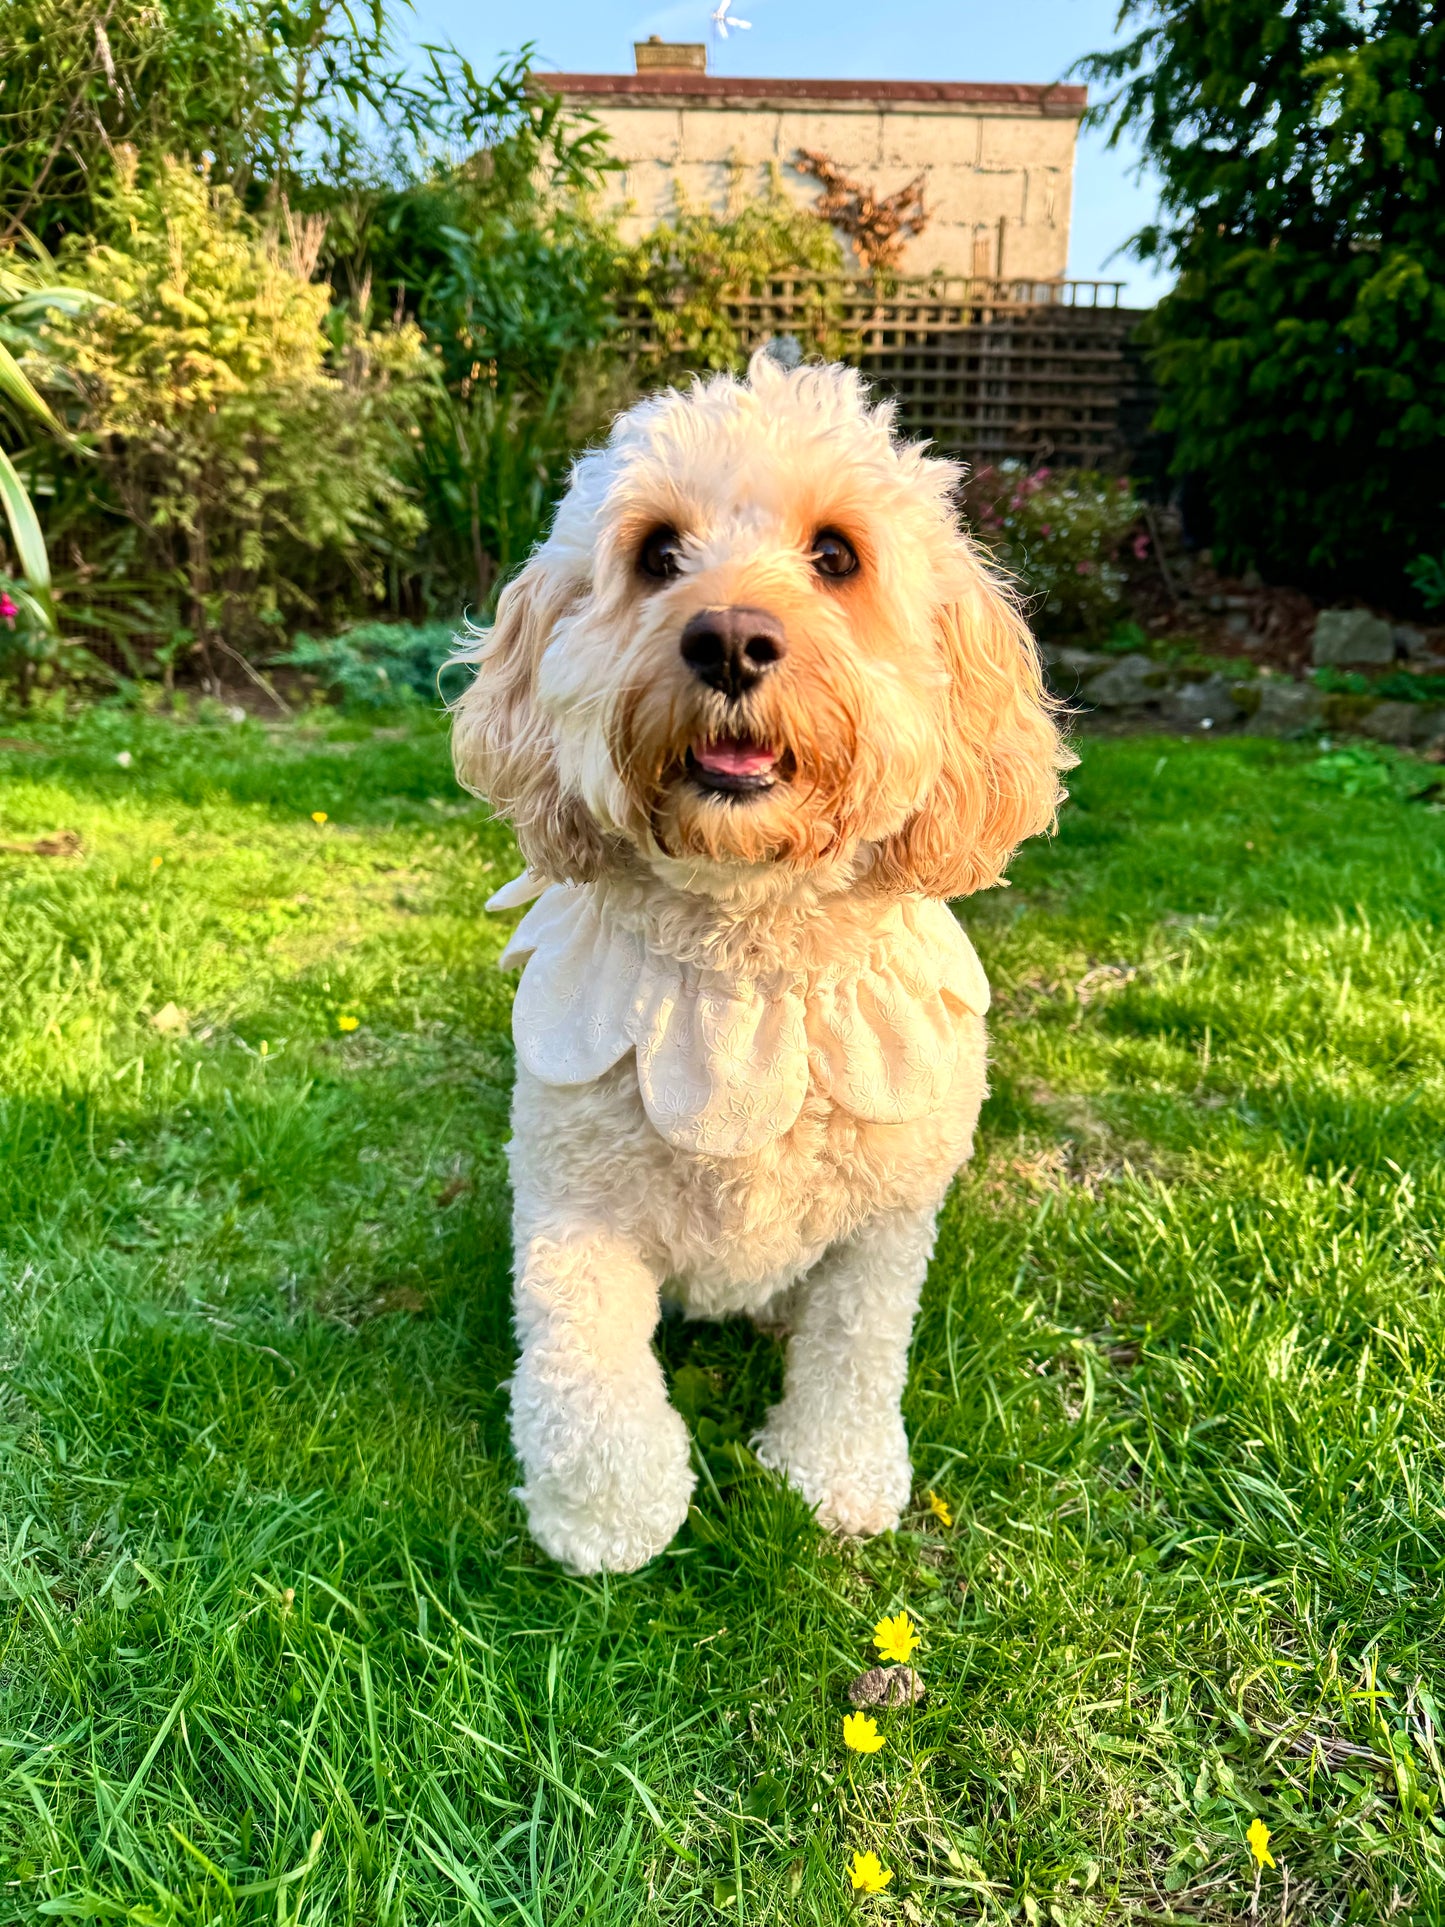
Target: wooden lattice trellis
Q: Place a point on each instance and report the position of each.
(992, 370)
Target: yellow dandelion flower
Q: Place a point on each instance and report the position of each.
(938, 1507)
(1258, 1837)
(347, 1023)
(896, 1638)
(318, 816)
(156, 862)
(860, 1733)
(868, 1874)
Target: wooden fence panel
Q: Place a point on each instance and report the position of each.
(990, 370)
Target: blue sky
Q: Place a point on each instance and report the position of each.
(1034, 40)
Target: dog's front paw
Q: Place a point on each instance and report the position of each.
(615, 1500)
(858, 1481)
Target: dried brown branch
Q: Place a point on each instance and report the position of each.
(876, 226)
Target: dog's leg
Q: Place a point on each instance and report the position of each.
(607, 1464)
(838, 1431)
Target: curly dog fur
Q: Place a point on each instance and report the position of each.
(747, 818)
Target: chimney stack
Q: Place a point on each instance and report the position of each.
(658, 56)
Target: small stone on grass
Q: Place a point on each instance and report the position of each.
(886, 1686)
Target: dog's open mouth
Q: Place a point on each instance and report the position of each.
(734, 765)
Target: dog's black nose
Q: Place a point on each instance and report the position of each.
(731, 649)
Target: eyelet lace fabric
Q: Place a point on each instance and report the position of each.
(724, 1061)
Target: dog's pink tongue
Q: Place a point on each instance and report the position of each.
(725, 758)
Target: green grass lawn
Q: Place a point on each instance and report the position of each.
(275, 1646)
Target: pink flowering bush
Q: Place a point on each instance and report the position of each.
(1062, 534)
(28, 646)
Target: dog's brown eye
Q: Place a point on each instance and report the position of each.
(661, 555)
(833, 554)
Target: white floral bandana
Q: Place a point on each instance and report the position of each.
(724, 1061)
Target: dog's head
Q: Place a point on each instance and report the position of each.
(757, 637)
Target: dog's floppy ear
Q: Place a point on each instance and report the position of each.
(503, 747)
(1001, 750)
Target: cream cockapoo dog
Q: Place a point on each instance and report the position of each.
(756, 708)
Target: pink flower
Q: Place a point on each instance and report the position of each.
(1041, 475)
(1046, 528)
(1083, 568)
(8, 610)
(1141, 547)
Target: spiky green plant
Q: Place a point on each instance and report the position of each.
(30, 288)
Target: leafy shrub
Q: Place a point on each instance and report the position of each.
(1061, 533)
(1400, 685)
(1129, 638)
(23, 632)
(1299, 356)
(306, 98)
(375, 665)
(244, 451)
(517, 312)
(1361, 770)
(1404, 686)
(499, 262)
(678, 279)
(1355, 771)
(1427, 578)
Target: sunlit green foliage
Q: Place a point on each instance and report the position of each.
(679, 278)
(349, 168)
(243, 454)
(297, 97)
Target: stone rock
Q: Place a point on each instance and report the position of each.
(1411, 642)
(1398, 723)
(1346, 636)
(1132, 682)
(1082, 661)
(1201, 705)
(886, 1686)
(1070, 669)
(1286, 709)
